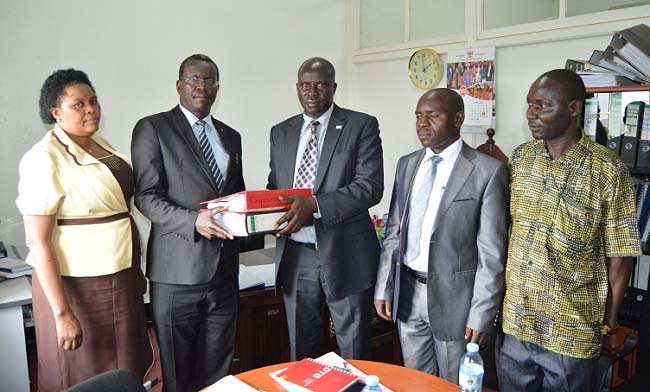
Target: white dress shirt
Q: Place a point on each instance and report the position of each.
(308, 234)
(449, 156)
(220, 154)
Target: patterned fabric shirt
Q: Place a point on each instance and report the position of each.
(568, 215)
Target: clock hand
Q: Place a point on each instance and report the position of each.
(425, 68)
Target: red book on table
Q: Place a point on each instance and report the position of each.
(317, 377)
(254, 201)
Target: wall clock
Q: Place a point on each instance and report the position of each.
(425, 69)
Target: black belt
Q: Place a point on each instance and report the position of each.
(420, 277)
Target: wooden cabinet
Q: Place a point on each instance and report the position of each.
(263, 338)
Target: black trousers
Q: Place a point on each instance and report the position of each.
(305, 297)
(196, 325)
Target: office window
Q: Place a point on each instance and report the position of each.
(580, 7)
(502, 13)
(382, 22)
(436, 18)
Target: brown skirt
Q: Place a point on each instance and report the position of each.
(111, 312)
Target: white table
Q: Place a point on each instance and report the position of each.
(14, 293)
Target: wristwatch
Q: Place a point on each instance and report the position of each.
(609, 331)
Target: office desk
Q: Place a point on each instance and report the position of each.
(14, 293)
(397, 378)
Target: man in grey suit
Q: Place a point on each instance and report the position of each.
(328, 252)
(181, 158)
(441, 266)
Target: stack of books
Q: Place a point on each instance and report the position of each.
(625, 61)
(253, 212)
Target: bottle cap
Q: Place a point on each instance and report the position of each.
(472, 347)
(372, 381)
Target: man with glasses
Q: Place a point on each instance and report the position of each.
(181, 158)
(328, 251)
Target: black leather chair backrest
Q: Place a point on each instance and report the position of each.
(112, 381)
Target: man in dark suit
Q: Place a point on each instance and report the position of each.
(328, 251)
(181, 158)
(442, 262)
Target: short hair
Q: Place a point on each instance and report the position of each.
(196, 57)
(454, 100)
(571, 84)
(320, 63)
(53, 87)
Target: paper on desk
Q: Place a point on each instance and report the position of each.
(333, 359)
(230, 384)
(254, 275)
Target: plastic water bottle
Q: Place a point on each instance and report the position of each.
(470, 375)
(372, 384)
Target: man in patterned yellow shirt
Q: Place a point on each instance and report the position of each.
(574, 235)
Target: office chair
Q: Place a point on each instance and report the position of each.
(111, 381)
(606, 362)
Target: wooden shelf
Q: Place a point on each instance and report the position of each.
(614, 89)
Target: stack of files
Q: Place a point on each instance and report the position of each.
(627, 57)
(595, 76)
(633, 46)
(11, 267)
(253, 212)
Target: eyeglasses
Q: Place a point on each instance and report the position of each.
(306, 86)
(194, 81)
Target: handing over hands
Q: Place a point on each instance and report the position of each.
(208, 228)
(299, 215)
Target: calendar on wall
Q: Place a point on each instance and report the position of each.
(470, 72)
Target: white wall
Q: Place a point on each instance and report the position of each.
(382, 87)
(131, 51)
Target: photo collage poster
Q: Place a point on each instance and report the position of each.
(470, 72)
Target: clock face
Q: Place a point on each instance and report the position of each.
(425, 69)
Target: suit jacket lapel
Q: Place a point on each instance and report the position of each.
(185, 130)
(290, 144)
(410, 171)
(233, 158)
(334, 130)
(461, 171)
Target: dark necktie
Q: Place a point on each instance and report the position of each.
(306, 175)
(209, 154)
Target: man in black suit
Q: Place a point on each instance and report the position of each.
(181, 158)
(328, 252)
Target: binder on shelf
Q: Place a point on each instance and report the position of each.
(591, 117)
(633, 45)
(630, 140)
(607, 59)
(643, 153)
(615, 123)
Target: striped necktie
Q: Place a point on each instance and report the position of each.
(418, 208)
(209, 154)
(306, 175)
